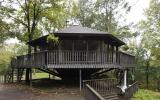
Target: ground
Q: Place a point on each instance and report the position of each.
(50, 89)
(23, 92)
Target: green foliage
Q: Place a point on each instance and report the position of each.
(146, 95)
(8, 52)
(52, 39)
(19, 49)
(5, 58)
(102, 14)
(150, 28)
(31, 18)
(149, 49)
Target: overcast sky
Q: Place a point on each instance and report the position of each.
(136, 13)
(134, 16)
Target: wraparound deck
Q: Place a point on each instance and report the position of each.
(74, 59)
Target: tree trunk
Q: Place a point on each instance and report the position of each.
(147, 75)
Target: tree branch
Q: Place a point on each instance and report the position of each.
(20, 21)
(22, 7)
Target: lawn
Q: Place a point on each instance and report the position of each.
(40, 76)
(143, 94)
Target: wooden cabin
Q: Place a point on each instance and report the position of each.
(80, 52)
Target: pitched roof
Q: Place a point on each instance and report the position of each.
(79, 31)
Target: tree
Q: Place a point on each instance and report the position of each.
(5, 59)
(103, 15)
(150, 28)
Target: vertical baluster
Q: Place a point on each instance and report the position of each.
(49, 57)
(76, 60)
(78, 57)
(70, 60)
(67, 57)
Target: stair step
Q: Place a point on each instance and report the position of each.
(109, 95)
(112, 99)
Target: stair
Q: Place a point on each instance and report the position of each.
(9, 75)
(49, 71)
(109, 96)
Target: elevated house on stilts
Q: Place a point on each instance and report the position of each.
(80, 52)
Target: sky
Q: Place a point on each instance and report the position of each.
(137, 10)
(134, 16)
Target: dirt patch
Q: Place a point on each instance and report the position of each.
(23, 92)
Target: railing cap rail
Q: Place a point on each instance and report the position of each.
(95, 92)
(99, 79)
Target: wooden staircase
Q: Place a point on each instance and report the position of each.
(52, 72)
(110, 96)
(107, 90)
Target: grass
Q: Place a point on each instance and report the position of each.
(143, 94)
(41, 76)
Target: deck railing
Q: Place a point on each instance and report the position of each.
(64, 57)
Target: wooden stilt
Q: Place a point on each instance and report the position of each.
(17, 75)
(49, 76)
(12, 74)
(30, 76)
(27, 76)
(80, 79)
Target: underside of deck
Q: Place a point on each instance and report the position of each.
(73, 74)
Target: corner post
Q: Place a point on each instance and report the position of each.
(124, 84)
(125, 79)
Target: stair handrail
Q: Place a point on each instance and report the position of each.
(94, 92)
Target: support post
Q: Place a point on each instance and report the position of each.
(17, 75)
(12, 74)
(27, 76)
(117, 56)
(124, 85)
(30, 77)
(125, 79)
(49, 76)
(80, 79)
